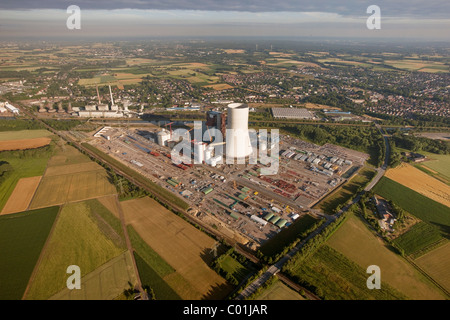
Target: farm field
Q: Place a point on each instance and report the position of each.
(72, 169)
(354, 240)
(24, 144)
(418, 65)
(220, 86)
(420, 182)
(66, 155)
(279, 291)
(23, 167)
(61, 184)
(435, 263)
(22, 237)
(20, 198)
(78, 239)
(24, 134)
(104, 283)
(182, 246)
(339, 278)
(418, 237)
(439, 163)
(418, 205)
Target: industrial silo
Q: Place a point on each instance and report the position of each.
(199, 152)
(238, 143)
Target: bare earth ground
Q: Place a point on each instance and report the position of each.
(21, 197)
(24, 144)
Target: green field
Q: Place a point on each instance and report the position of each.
(347, 191)
(234, 268)
(439, 163)
(418, 237)
(78, 240)
(279, 291)
(152, 268)
(24, 134)
(22, 237)
(27, 163)
(149, 277)
(338, 278)
(420, 206)
(282, 239)
(359, 244)
(104, 283)
(435, 263)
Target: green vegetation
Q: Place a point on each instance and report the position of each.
(76, 240)
(438, 163)
(150, 278)
(159, 191)
(107, 222)
(332, 276)
(278, 291)
(22, 237)
(288, 238)
(66, 125)
(420, 236)
(19, 124)
(337, 199)
(22, 164)
(413, 202)
(233, 266)
(158, 264)
(417, 144)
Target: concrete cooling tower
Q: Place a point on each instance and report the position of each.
(237, 138)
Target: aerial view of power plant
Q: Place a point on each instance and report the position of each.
(225, 159)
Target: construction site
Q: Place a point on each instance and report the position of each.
(235, 198)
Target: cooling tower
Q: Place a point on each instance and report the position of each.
(237, 137)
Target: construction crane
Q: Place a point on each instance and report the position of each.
(170, 126)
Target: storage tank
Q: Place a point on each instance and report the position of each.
(163, 137)
(199, 152)
(238, 139)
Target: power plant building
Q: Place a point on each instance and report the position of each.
(238, 144)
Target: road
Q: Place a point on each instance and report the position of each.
(275, 268)
(381, 170)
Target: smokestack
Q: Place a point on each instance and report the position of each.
(98, 95)
(110, 92)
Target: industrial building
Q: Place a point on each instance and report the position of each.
(292, 113)
(6, 106)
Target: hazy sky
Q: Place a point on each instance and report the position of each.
(405, 19)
